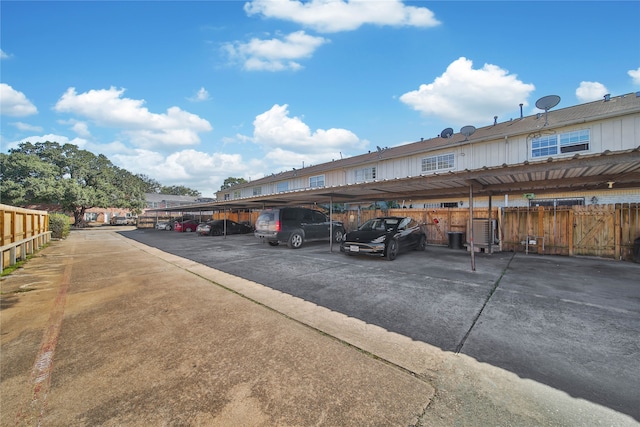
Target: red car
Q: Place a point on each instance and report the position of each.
(188, 226)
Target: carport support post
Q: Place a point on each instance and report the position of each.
(491, 230)
(224, 223)
(473, 251)
(330, 223)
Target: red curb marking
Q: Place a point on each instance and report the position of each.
(43, 366)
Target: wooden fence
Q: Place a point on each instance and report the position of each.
(607, 231)
(23, 232)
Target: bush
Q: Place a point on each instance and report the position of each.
(59, 225)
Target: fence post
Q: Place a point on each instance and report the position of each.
(617, 231)
(570, 224)
(541, 217)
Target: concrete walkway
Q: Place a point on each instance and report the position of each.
(102, 330)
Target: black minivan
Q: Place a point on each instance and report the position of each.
(294, 226)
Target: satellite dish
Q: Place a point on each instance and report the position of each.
(446, 133)
(467, 131)
(546, 103)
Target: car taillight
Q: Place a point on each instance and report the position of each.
(278, 225)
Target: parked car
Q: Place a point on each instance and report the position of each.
(164, 225)
(188, 225)
(127, 219)
(294, 226)
(168, 224)
(218, 227)
(386, 237)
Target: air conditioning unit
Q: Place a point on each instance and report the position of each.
(485, 233)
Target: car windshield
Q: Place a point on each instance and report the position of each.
(380, 224)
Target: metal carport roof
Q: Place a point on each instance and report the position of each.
(578, 173)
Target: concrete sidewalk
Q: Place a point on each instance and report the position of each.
(114, 332)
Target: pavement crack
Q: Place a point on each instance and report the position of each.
(486, 301)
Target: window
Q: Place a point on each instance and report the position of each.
(257, 191)
(226, 196)
(440, 162)
(449, 205)
(319, 217)
(567, 142)
(316, 181)
(237, 194)
(574, 141)
(441, 205)
(366, 174)
(557, 202)
(282, 187)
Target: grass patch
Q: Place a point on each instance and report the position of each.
(7, 271)
(19, 264)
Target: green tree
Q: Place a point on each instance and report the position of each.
(230, 182)
(75, 179)
(179, 190)
(150, 184)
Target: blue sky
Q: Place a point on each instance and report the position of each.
(190, 93)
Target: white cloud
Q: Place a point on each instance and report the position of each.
(463, 95)
(15, 103)
(635, 75)
(340, 15)
(201, 95)
(4, 55)
(79, 127)
(590, 91)
(108, 108)
(276, 54)
(288, 141)
(194, 169)
(26, 127)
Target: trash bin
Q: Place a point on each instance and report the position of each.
(636, 250)
(455, 239)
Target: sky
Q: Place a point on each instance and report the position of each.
(191, 93)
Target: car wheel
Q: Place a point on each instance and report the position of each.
(392, 250)
(274, 243)
(216, 232)
(422, 243)
(295, 240)
(338, 235)
(188, 230)
(167, 227)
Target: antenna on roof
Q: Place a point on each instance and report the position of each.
(446, 133)
(467, 131)
(546, 103)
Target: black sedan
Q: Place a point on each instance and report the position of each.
(385, 237)
(218, 227)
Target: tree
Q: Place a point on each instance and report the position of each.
(150, 184)
(75, 179)
(230, 182)
(179, 190)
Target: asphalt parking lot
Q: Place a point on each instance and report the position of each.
(569, 323)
